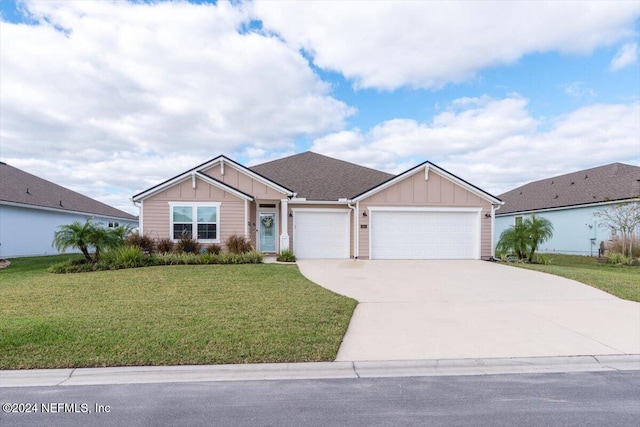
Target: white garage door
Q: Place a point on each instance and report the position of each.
(321, 233)
(425, 235)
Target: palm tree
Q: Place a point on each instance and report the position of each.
(513, 240)
(74, 235)
(539, 230)
(523, 239)
(84, 236)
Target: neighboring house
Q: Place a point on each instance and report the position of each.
(31, 209)
(569, 202)
(322, 207)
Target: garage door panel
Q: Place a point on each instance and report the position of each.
(321, 234)
(424, 235)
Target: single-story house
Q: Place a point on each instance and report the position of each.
(32, 209)
(321, 207)
(569, 202)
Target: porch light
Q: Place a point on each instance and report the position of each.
(364, 214)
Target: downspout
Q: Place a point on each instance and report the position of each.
(246, 220)
(493, 229)
(356, 246)
(139, 215)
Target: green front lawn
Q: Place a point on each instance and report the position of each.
(171, 315)
(619, 280)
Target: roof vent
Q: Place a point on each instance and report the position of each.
(556, 196)
(521, 192)
(28, 190)
(586, 176)
(61, 204)
(573, 183)
(551, 182)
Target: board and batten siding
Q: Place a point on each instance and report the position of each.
(157, 215)
(244, 183)
(436, 192)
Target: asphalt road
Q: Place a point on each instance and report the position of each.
(566, 399)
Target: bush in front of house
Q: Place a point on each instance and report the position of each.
(146, 243)
(214, 249)
(187, 245)
(132, 257)
(164, 246)
(125, 257)
(237, 244)
(286, 255)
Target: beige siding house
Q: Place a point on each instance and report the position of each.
(325, 208)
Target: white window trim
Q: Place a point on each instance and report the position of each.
(195, 205)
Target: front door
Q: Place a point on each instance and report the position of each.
(268, 232)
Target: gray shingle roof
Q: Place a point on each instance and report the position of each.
(17, 186)
(318, 177)
(616, 181)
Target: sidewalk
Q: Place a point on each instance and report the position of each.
(322, 370)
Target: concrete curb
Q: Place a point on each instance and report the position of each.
(321, 370)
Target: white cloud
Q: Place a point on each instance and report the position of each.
(578, 90)
(496, 143)
(127, 94)
(627, 55)
(386, 44)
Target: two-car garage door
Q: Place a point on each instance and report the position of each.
(425, 234)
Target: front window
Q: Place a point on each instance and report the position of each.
(518, 220)
(207, 222)
(201, 218)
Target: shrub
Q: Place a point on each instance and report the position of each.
(237, 244)
(71, 266)
(619, 259)
(187, 245)
(543, 259)
(616, 246)
(128, 257)
(252, 257)
(131, 256)
(164, 246)
(145, 243)
(286, 255)
(214, 249)
(189, 258)
(209, 258)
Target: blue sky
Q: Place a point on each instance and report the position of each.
(111, 97)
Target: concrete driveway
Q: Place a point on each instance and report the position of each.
(472, 309)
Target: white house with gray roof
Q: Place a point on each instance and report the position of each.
(569, 202)
(32, 209)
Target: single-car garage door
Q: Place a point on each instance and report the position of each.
(321, 233)
(425, 234)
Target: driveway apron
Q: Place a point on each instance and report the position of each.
(412, 310)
